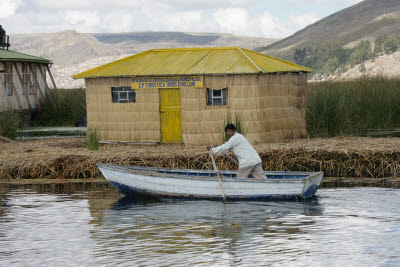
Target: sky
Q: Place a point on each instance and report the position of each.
(258, 18)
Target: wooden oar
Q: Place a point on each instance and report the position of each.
(231, 159)
(218, 175)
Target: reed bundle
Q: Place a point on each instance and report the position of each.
(68, 158)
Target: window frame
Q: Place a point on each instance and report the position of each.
(222, 98)
(8, 79)
(26, 76)
(120, 91)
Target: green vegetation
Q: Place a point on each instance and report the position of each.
(328, 59)
(92, 139)
(352, 107)
(10, 122)
(237, 121)
(61, 108)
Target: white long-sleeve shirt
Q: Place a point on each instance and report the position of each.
(245, 153)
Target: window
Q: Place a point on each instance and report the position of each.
(26, 76)
(8, 79)
(217, 97)
(124, 94)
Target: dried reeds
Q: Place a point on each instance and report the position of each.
(68, 158)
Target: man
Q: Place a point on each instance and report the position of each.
(249, 160)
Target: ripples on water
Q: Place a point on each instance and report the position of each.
(93, 225)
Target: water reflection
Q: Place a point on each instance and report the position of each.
(81, 224)
(203, 232)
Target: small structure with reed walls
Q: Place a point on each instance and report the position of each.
(185, 95)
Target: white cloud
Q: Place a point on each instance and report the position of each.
(176, 4)
(84, 21)
(240, 22)
(240, 17)
(351, 2)
(271, 26)
(340, 2)
(303, 20)
(87, 4)
(124, 23)
(233, 20)
(8, 7)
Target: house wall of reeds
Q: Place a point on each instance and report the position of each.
(139, 121)
(272, 108)
(25, 95)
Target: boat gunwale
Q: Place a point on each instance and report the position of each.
(153, 172)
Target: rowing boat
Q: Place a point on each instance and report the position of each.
(203, 184)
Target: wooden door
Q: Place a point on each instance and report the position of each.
(171, 119)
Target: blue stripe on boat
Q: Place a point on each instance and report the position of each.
(128, 190)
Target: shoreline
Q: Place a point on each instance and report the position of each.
(327, 182)
(67, 158)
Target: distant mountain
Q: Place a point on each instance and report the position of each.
(74, 52)
(70, 47)
(363, 21)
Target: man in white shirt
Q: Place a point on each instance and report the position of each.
(249, 160)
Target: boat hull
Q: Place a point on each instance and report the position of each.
(200, 184)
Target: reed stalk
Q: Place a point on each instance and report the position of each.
(92, 139)
(10, 122)
(237, 120)
(61, 107)
(337, 108)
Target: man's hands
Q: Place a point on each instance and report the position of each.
(209, 147)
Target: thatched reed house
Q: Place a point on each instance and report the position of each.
(185, 95)
(22, 78)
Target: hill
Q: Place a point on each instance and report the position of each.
(363, 21)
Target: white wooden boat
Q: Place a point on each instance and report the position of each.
(203, 184)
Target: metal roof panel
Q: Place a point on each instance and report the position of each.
(271, 64)
(192, 61)
(7, 55)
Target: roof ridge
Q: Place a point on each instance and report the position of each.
(281, 60)
(195, 48)
(246, 57)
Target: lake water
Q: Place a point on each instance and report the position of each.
(31, 133)
(92, 225)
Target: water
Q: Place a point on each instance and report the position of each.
(395, 132)
(91, 225)
(50, 132)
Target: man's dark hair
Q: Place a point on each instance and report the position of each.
(230, 126)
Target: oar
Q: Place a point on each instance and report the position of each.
(231, 159)
(218, 175)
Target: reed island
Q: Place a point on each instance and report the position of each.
(372, 161)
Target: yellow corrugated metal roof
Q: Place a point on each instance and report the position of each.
(193, 61)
